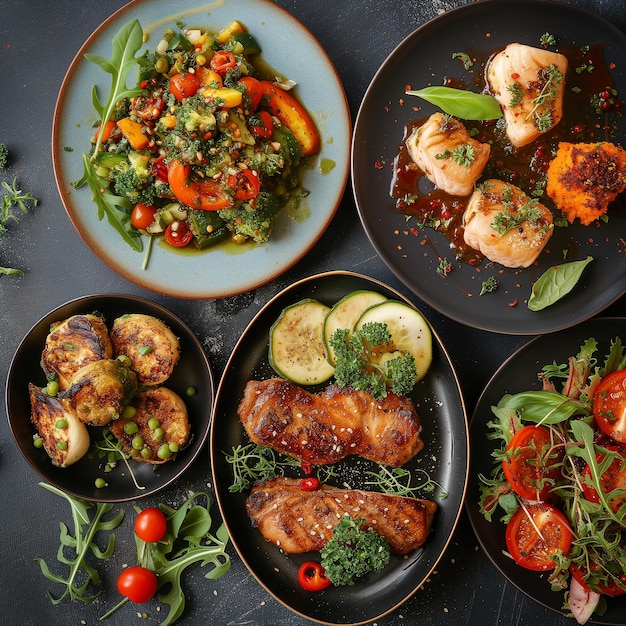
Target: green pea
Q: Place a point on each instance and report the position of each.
(137, 442)
(38, 442)
(146, 452)
(190, 392)
(61, 423)
(130, 428)
(100, 483)
(153, 423)
(162, 65)
(164, 452)
(158, 434)
(62, 445)
(128, 412)
(174, 447)
(52, 388)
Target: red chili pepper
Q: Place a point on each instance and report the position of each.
(309, 484)
(265, 127)
(307, 467)
(312, 576)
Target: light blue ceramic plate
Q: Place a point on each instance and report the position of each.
(289, 48)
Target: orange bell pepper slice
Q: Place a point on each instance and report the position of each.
(206, 195)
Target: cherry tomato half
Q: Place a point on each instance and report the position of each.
(529, 548)
(158, 169)
(142, 215)
(178, 234)
(253, 90)
(609, 405)
(137, 583)
(206, 194)
(312, 576)
(608, 589)
(245, 183)
(151, 525)
(222, 61)
(613, 478)
(184, 85)
(533, 465)
(148, 106)
(265, 126)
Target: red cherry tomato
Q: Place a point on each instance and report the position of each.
(178, 234)
(312, 576)
(207, 194)
(265, 126)
(253, 90)
(613, 478)
(158, 169)
(148, 106)
(151, 525)
(309, 484)
(222, 61)
(607, 588)
(137, 583)
(142, 215)
(245, 183)
(184, 85)
(533, 464)
(529, 548)
(609, 405)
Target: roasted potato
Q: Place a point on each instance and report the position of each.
(99, 391)
(151, 346)
(73, 343)
(158, 429)
(65, 437)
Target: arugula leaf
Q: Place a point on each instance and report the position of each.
(543, 407)
(461, 103)
(556, 282)
(81, 543)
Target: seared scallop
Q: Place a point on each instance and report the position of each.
(151, 346)
(506, 225)
(158, 429)
(64, 436)
(99, 391)
(73, 343)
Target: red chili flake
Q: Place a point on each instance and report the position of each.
(407, 88)
(414, 231)
(578, 128)
(401, 101)
(514, 75)
(378, 165)
(472, 261)
(307, 467)
(512, 304)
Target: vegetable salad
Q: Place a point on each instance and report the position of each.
(207, 147)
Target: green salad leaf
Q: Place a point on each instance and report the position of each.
(465, 105)
(556, 282)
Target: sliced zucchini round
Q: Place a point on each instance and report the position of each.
(296, 348)
(345, 313)
(408, 329)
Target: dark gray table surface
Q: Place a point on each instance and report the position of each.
(38, 40)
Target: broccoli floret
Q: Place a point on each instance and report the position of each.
(255, 219)
(265, 161)
(127, 183)
(4, 156)
(194, 114)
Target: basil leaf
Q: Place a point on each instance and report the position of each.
(463, 104)
(556, 282)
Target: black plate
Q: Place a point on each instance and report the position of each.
(193, 370)
(424, 58)
(445, 457)
(519, 373)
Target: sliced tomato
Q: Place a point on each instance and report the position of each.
(253, 90)
(245, 183)
(148, 107)
(312, 576)
(607, 588)
(222, 61)
(532, 466)
(206, 195)
(264, 126)
(609, 405)
(184, 85)
(158, 168)
(527, 546)
(178, 234)
(142, 215)
(613, 478)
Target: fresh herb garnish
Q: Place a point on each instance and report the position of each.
(516, 94)
(397, 481)
(465, 59)
(489, 285)
(556, 282)
(547, 40)
(463, 155)
(111, 449)
(4, 156)
(461, 103)
(506, 220)
(552, 78)
(81, 574)
(444, 268)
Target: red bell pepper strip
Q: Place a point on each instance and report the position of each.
(206, 195)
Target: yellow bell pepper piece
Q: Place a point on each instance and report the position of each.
(229, 98)
(234, 28)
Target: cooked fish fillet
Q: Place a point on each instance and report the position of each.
(151, 346)
(584, 178)
(73, 343)
(323, 428)
(170, 411)
(529, 84)
(506, 225)
(99, 391)
(451, 159)
(65, 437)
(300, 521)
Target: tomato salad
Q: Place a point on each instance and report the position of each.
(559, 477)
(210, 148)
